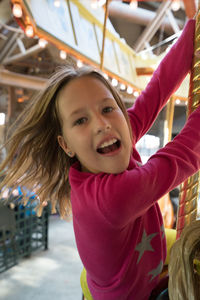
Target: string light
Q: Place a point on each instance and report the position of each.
(17, 10)
(122, 87)
(94, 4)
(29, 31)
(63, 54)
(56, 3)
(136, 94)
(144, 56)
(133, 4)
(79, 63)
(129, 90)
(176, 5)
(178, 101)
(105, 76)
(114, 82)
(42, 43)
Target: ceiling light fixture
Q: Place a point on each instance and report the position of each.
(129, 90)
(133, 4)
(122, 87)
(56, 3)
(176, 5)
(42, 43)
(94, 4)
(136, 94)
(178, 101)
(114, 82)
(63, 54)
(17, 10)
(105, 76)
(29, 31)
(79, 63)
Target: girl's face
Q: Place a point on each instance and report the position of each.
(94, 127)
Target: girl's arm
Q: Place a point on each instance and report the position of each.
(124, 197)
(166, 79)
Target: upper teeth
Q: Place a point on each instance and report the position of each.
(108, 143)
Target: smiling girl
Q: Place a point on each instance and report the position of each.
(77, 141)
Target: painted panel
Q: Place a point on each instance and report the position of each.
(54, 20)
(110, 61)
(85, 35)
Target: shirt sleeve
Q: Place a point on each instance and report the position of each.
(165, 80)
(126, 196)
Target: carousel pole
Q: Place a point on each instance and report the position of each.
(104, 34)
(189, 192)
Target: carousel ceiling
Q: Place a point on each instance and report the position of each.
(26, 64)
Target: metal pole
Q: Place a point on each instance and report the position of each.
(189, 193)
(104, 34)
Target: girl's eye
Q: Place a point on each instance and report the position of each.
(80, 121)
(108, 109)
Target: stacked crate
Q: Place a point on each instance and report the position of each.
(21, 233)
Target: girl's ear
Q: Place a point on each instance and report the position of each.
(63, 145)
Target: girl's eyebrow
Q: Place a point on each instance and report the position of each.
(77, 111)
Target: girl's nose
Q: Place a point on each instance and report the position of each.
(102, 125)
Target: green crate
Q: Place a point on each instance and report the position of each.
(21, 233)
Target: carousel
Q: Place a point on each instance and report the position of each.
(183, 267)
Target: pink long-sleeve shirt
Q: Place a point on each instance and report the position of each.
(117, 221)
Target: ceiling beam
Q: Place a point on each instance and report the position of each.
(19, 80)
(17, 57)
(8, 45)
(152, 27)
(139, 16)
(172, 20)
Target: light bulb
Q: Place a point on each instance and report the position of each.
(105, 76)
(143, 55)
(136, 94)
(17, 10)
(94, 4)
(114, 82)
(176, 5)
(29, 31)
(178, 101)
(122, 87)
(56, 3)
(63, 54)
(42, 43)
(79, 63)
(133, 4)
(129, 90)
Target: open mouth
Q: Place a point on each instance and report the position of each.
(109, 147)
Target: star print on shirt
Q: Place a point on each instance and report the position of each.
(155, 272)
(145, 244)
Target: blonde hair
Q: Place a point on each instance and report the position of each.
(34, 157)
(184, 280)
